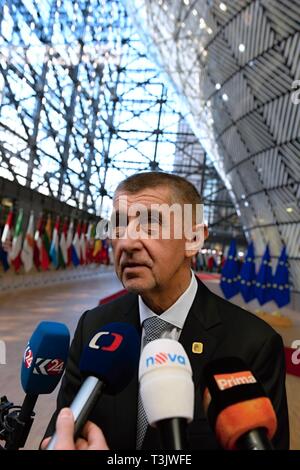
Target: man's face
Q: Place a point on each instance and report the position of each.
(145, 260)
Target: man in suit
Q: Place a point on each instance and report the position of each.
(156, 271)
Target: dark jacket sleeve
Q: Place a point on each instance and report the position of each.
(269, 366)
(72, 379)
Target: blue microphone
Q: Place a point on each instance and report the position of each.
(43, 365)
(108, 363)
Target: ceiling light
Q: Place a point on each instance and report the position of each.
(242, 47)
(224, 97)
(222, 6)
(186, 2)
(195, 13)
(209, 30)
(204, 53)
(218, 86)
(202, 23)
(289, 210)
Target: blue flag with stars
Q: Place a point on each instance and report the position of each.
(248, 275)
(230, 273)
(264, 279)
(281, 285)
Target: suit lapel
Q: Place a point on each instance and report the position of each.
(125, 404)
(203, 325)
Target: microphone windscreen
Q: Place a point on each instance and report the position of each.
(235, 401)
(45, 357)
(112, 355)
(166, 384)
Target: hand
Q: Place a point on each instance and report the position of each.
(92, 436)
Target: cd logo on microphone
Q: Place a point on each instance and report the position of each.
(28, 356)
(113, 346)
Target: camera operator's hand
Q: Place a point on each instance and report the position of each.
(92, 437)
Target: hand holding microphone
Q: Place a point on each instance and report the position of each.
(92, 436)
(167, 391)
(108, 364)
(237, 406)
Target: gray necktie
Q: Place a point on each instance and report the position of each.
(154, 328)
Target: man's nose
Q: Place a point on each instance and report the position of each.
(131, 237)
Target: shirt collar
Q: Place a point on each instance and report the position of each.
(177, 313)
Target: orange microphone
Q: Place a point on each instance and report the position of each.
(237, 407)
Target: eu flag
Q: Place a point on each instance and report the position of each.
(230, 273)
(248, 275)
(264, 279)
(281, 285)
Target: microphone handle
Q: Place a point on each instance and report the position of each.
(257, 439)
(173, 433)
(21, 423)
(82, 405)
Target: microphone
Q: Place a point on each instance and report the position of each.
(108, 364)
(167, 391)
(42, 367)
(237, 406)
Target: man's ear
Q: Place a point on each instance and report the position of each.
(196, 241)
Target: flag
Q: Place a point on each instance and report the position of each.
(40, 253)
(15, 253)
(264, 281)
(230, 273)
(63, 244)
(83, 245)
(47, 234)
(28, 245)
(90, 239)
(281, 285)
(5, 247)
(69, 241)
(54, 254)
(3, 258)
(97, 251)
(248, 275)
(75, 248)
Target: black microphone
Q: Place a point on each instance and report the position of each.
(42, 368)
(108, 362)
(167, 391)
(237, 407)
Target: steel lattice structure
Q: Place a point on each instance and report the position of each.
(82, 104)
(235, 64)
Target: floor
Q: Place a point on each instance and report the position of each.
(21, 311)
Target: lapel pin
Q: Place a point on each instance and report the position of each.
(197, 348)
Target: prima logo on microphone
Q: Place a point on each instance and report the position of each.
(164, 358)
(113, 346)
(225, 381)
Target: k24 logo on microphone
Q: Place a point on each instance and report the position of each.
(48, 366)
(28, 356)
(296, 354)
(113, 346)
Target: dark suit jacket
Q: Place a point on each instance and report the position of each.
(223, 328)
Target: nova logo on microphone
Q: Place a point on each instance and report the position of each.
(165, 358)
(225, 381)
(110, 343)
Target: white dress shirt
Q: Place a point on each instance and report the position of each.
(174, 315)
